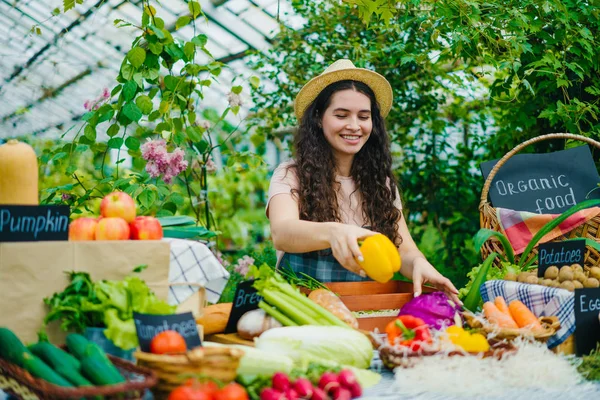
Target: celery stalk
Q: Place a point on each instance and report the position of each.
(275, 299)
(308, 303)
(292, 301)
(285, 321)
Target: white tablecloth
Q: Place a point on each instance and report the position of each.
(193, 261)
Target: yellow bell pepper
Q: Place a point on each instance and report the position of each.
(473, 343)
(381, 258)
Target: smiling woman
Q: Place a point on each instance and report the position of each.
(339, 188)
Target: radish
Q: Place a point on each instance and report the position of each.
(304, 388)
(355, 389)
(318, 394)
(328, 382)
(291, 394)
(270, 394)
(341, 393)
(281, 382)
(346, 378)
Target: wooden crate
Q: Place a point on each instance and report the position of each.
(364, 296)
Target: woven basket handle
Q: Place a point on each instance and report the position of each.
(500, 163)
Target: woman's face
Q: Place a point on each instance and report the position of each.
(347, 122)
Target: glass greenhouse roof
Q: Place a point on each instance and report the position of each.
(45, 79)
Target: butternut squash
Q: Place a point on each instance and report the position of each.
(18, 174)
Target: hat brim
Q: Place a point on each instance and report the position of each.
(380, 86)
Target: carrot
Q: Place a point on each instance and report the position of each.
(497, 317)
(502, 306)
(523, 316)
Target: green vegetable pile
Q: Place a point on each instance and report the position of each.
(108, 304)
(590, 365)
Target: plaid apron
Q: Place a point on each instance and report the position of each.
(320, 265)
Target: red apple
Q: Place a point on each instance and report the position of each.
(146, 228)
(112, 229)
(83, 229)
(118, 204)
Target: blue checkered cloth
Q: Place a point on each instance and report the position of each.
(541, 300)
(320, 265)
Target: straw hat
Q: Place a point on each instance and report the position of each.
(342, 70)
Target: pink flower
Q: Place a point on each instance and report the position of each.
(161, 162)
(95, 104)
(243, 265)
(105, 93)
(211, 166)
(65, 196)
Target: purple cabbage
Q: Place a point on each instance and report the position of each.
(435, 309)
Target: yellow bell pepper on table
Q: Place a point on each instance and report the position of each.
(470, 342)
(381, 258)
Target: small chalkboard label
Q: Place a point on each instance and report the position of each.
(587, 325)
(246, 299)
(559, 254)
(544, 183)
(33, 223)
(147, 326)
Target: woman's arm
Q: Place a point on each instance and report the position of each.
(292, 235)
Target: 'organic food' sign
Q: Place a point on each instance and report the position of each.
(544, 183)
(246, 299)
(560, 254)
(33, 223)
(587, 324)
(147, 326)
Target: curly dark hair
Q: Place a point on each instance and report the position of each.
(371, 168)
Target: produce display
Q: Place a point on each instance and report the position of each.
(117, 221)
(569, 277)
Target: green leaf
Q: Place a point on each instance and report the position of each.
(182, 21)
(484, 234)
(155, 48)
(170, 207)
(254, 81)
(147, 198)
(68, 5)
(132, 143)
(131, 111)
(113, 130)
(157, 31)
(177, 220)
(89, 132)
(236, 89)
(144, 103)
(188, 50)
(58, 156)
(553, 224)
(200, 40)
(129, 90)
(194, 8)
(177, 199)
(140, 268)
(115, 143)
(473, 298)
(193, 133)
(136, 56)
(71, 169)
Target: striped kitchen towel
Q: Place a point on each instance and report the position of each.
(521, 226)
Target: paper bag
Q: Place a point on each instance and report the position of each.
(31, 271)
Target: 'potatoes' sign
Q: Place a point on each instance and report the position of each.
(544, 183)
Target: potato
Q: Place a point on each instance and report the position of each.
(566, 268)
(554, 283)
(510, 277)
(547, 282)
(569, 285)
(579, 276)
(532, 279)
(540, 280)
(591, 283)
(578, 284)
(595, 272)
(522, 277)
(565, 275)
(551, 272)
(577, 267)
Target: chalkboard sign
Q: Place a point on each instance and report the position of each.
(246, 299)
(544, 183)
(33, 223)
(559, 254)
(587, 325)
(147, 326)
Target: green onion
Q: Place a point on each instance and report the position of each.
(285, 321)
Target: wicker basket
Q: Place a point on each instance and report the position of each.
(21, 384)
(218, 363)
(550, 326)
(489, 220)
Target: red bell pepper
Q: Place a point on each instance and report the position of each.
(408, 331)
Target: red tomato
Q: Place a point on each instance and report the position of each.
(168, 342)
(209, 387)
(189, 393)
(231, 391)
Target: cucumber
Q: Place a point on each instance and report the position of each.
(40, 369)
(77, 345)
(11, 348)
(97, 371)
(72, 376)
(54, 356)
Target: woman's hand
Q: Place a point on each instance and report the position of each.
(343, 239)
(423, 272)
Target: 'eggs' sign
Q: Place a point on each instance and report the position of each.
(544, 183)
